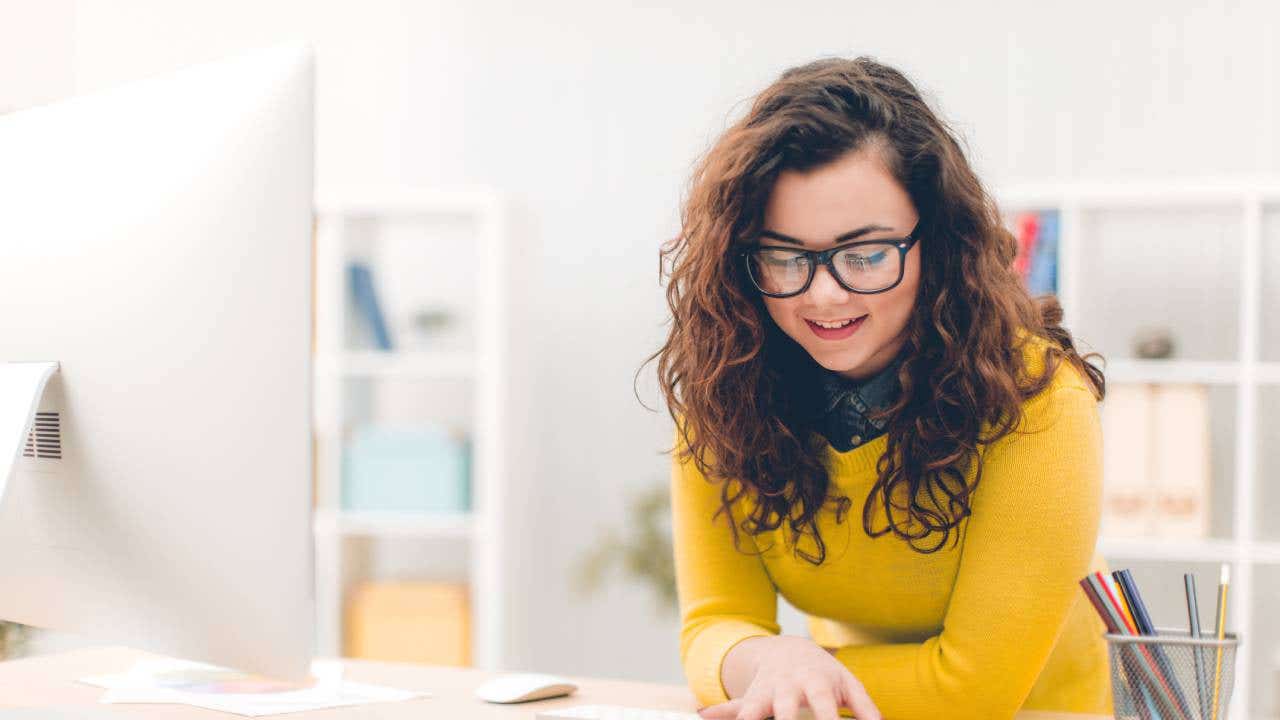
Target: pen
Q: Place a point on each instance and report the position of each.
(1146, 663)
(1128, 589)
(1221, 622)
(1193, 620)
(1129, 586)
(1110, 593)
(1126, 601)
(1147, 709)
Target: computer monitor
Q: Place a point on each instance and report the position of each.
(155, 241)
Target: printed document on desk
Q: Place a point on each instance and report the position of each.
(207, 686)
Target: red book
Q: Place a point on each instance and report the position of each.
(1028, 230)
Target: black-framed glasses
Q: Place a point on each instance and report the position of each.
(866, 267)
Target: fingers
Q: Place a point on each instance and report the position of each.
(857, 700)
(755, 705)
(723, 711)
(786, 705)
(822, 700)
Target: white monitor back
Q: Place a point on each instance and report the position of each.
(155, 240)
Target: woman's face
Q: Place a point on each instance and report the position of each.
(855, 192)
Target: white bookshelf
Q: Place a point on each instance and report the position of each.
(399, 364)
(475, 367)
(1239, 368)
(392, 524)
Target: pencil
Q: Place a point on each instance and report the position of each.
(1223, 585)
(1126, 602)
(1109, 592)
(1097, 602)
(1129, 659)
(1128, 590)
(1193, 621)
(1159, 684)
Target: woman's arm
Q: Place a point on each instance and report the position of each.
(1031, 537)
(729, 642)
(726, 595)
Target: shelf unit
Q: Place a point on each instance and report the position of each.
(402, 364)
(477, 533)
(1248, 202)
(389, 524)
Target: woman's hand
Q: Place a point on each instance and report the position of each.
(779, 674)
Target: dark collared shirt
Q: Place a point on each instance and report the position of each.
(843, 420)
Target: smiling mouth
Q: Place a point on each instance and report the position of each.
(836, 330)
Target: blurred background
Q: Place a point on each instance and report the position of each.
(1133, 147)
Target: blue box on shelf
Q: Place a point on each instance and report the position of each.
(399, 469)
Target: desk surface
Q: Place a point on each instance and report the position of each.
(50, 680)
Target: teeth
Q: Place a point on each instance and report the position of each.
(832, 326)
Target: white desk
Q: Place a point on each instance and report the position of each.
(51, 681)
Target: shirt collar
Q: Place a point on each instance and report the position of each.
(878, 391)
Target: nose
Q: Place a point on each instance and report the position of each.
(824, 290)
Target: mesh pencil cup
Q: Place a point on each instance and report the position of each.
(1171, 675)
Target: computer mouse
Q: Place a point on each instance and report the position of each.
(523, 687)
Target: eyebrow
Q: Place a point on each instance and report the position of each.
(851, 235)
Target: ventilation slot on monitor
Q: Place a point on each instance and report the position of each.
(45, 439)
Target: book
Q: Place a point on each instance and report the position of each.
(1037, 259)
(1026, 230)
(1042, 273)
(366, 303)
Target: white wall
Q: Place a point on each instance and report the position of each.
(590, 115)
(37, 63)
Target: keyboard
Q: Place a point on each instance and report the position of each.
(613, 712)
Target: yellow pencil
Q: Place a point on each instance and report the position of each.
(1222, 634)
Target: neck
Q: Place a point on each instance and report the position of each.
(880, 360)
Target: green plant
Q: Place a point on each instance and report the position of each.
(643, 552)
(12, 637)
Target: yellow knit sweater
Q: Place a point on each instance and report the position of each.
(980, 629)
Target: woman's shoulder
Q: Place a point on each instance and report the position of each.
(1067, 391)
(1037, 353)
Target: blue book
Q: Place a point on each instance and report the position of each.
(366, 298)
(1042, 277)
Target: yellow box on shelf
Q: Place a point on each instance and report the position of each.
(419, 622)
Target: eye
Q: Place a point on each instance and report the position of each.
(865, 258)
(781, 259)
(876, 257)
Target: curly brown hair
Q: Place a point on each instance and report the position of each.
(738, 387)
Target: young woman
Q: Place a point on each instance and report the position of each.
(875, 420)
